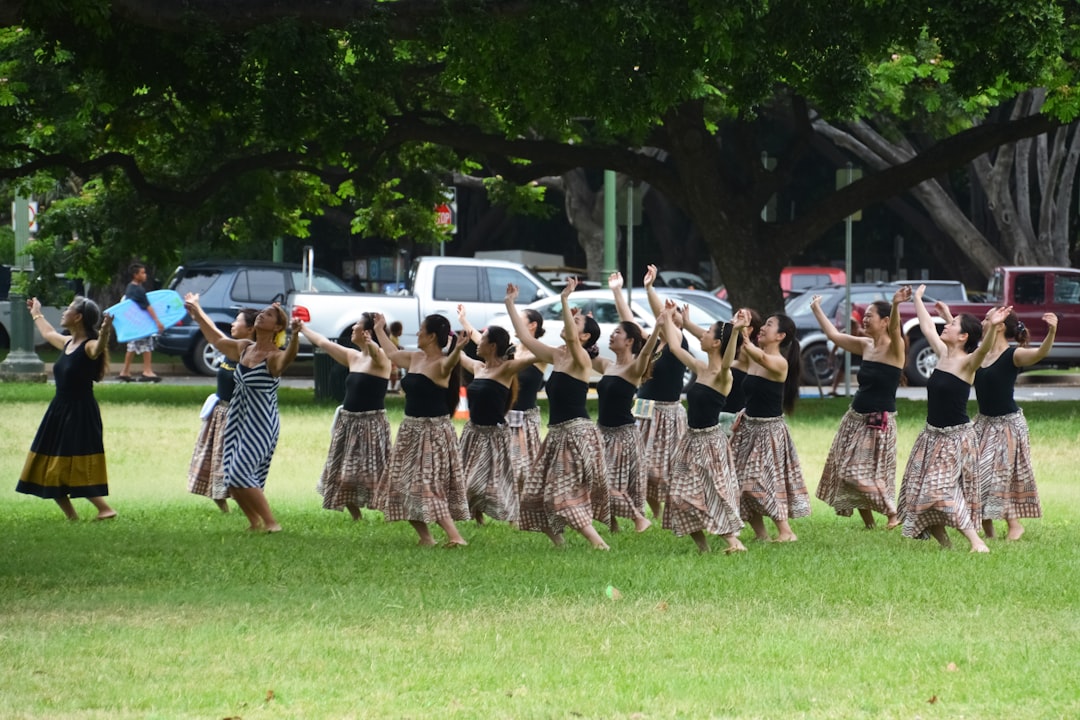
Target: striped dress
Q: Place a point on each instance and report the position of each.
(252, 426)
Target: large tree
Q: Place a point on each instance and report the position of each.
(183, 100)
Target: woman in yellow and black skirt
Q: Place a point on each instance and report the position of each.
(67, 457)
(360, 440)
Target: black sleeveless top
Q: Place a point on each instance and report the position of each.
(736, 399)
(616, 401)
(423, 398)
(364, 392)
(487, 401)
(703, 406)
(994, 386)
(226, 381)
(764, 398)
(529, 382)
(666, 383)
(877, 387)
(566, 398)
(946, 400)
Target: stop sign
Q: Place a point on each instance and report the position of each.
(443, 215)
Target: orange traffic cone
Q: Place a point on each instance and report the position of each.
(462, 411)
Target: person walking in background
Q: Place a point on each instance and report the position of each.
(1007, 480)
(860, 472)
(566, 486)
(765, 458)
(941, 482)
(252, 423)
(424, 483)
(360, 439)
(618, 385)
(141, 346)
(703, 493)
(67, 456)
(205, 474)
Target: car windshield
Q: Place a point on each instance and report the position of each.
(320, 283)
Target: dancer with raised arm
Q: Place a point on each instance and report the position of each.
(618, 385)
(205, 474)
(941, 482)
(67, 457)
(425, 483)
(860, 472)
(360, 440)
(566, 486)
(252, 423)
(765, 459)
(703, 493)
(736, 399)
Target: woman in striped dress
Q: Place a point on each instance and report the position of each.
(360, 440)
(424, 483)
(941, 483)
(252, 423)
(618, 385)
(205, 476)
(566, 487)
(67, 457)
(1006, 477)
(860, 472)
(703, 493)
(765, 459)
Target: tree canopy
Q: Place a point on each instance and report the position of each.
(204, 119)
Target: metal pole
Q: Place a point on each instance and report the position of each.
(609, 223)
(847, 290)
(22, 363)
(629, 242)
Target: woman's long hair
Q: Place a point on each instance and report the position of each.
(970, 325)
(592, 329)
(500, 338)
(91, 320)
(789, 348)
(439, 326)
(534, 316)
(1016, 330)
(637, 343)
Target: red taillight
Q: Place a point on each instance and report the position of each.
(301, 313)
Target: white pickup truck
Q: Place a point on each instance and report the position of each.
(436, 285)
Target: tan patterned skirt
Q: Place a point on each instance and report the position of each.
(489, 471)
(660, 435)
(525, 445)
(940, 481)
(1008, 481)
(703, 493)
(205, 474)
(567, 485)
(624, 471)
(769, 472)
(860, 472)
(424, 482)
(359, 451)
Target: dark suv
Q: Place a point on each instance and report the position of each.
(226, 286)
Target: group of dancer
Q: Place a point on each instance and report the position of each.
(646, 450)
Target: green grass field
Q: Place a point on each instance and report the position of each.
(173, 611)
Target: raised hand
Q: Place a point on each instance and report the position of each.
(902, 295)
(919, 292)
(1051, 321)
(741, 319)
(615, 281)
(378, 320)
(461, 314)
(191, 300)
(650, 276)
(511, 292)
(571, 285)
(942, 308)
(815, 302)
(998, 315)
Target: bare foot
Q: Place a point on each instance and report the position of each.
(355, 512)
(254, 528)
(601, 546)
(787, 537)
(223, 505)
(894, 522)
(642, 524)
(426, 542)
(454, 544)
(867, 518)
(733, 549)
(979, 547)
(275, 528)
(614, 525)
(1015, 532)
(763, 538)
(107, 515)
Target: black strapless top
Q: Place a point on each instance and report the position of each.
(616, 401)
(877, 387)
(530, 380)
(487, 401)
(946, 400)
(364, 392)
(994, 386)
(736, 399)
(666, 383)
(703, 406)
(423, 398)
(566, 398)
(764, 398)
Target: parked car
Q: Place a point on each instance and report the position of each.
(797, 279)
(228, 285)
(676, 279)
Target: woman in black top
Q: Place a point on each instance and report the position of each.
(360, 439)
(1006, 477)
(424, 482)
(860, 472)
(205, 474)
(567, 485)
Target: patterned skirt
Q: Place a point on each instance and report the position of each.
(660, 435)
(940, 481)
(489, 471)
(703, 493)
(424, 481)
(860, 472)
(1008, 481)
(205, 474)
(624, 471)
(525, 445)
(567, 485)
(770, 476)
(359, 451)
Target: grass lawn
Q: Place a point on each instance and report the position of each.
(172, 611)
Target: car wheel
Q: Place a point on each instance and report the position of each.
(816, 367)
(204, 358)
(921, 361)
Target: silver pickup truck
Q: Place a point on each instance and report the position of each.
(436, 285)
